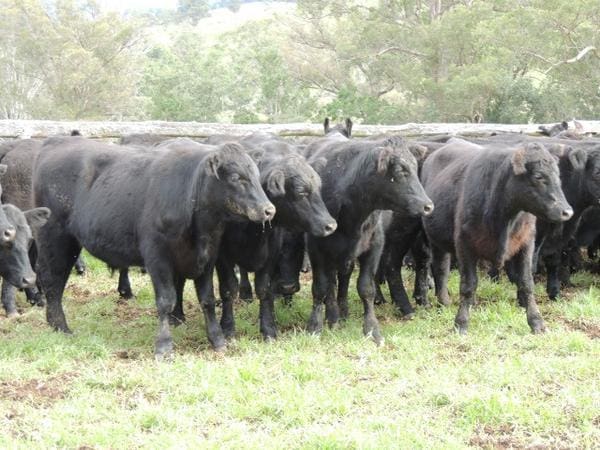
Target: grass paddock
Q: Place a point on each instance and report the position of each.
(427, 387)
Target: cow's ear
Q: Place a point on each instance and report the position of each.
(518, 161)
(276, 183)
(318, 164)
(256, 155)
(578, 158)
(565, 125)
(349, 126)
(3, 168)
(37, 217)
(326, 125)
(557, 150)
(384, 160)
(419, 151)
(212, 165)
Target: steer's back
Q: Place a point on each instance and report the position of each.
(96, 191)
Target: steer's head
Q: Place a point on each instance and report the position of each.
(237, 186)
(396, 181)
(295, 189)
(7, 229)
(14, 255)
(537, 185)
(591, 172)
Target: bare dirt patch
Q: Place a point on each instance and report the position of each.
(35, 391)
(497, 437)
(591, 330)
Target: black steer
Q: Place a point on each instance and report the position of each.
(295, 189)
(164, 210)
(15, 266)
(359, 178)
(488, 199)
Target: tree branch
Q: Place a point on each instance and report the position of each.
(400, 50)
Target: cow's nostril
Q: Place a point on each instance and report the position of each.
(9, 234)
(330, 227)
(566, 214)
(269, 212)
(428, 209)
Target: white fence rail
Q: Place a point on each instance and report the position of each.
(107, 130)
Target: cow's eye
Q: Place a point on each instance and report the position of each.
(234, 178)
(538, 176)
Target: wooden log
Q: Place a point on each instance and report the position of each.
(108, 130)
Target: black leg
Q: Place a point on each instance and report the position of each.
(467, 263)
(323, 290)
(80, 267)
(422, 256)
(525, 286)
(552, 262)
(245, 286)
(440, 268)
(342, 294)
(177, 317)
(57, 253)
(124, 287)
(9, 299)
(228, 289)
(366, 291)
(393, 274)
(206, 296)
(262, 280)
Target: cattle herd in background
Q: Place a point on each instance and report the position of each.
(183, 209)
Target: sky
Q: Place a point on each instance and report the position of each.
(122, 5)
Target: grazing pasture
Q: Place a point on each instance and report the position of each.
(427, 387)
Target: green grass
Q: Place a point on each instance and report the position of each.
(498, 387)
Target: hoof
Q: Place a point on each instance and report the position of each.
(63, 329)
(176, 320)
(333, 325)
(126, 295)
(222, 348)
(537, 326)
(409, 316)
(377, 338)
(163, 357)
(163, 350)
(461, 329)
(314, 328)
(380, 300)
(229, 334)
(422, 301)
(246, 295)
(12, 315)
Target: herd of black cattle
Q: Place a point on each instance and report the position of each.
(182, 208)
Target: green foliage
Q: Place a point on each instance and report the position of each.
(192, 10)
(66, 60)
(242, 78)
(377, 61)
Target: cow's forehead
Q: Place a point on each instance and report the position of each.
(404, 155)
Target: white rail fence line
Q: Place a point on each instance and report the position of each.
(106, 130)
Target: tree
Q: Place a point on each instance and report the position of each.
(66, 60)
